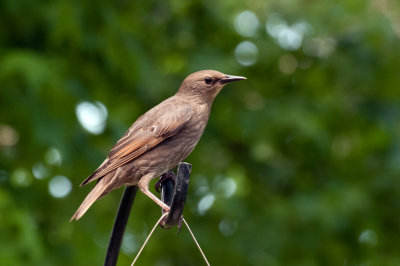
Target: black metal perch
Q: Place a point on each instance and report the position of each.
(119, 225)
(173, 193)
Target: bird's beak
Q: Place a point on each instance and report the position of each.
(230, 78)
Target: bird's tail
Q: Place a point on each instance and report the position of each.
(98, 191)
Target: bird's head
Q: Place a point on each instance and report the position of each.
(206, 84)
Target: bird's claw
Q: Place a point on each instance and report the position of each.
(168, 175)
(166, 208)
(164, 221)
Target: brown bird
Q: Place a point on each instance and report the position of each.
(158, 140)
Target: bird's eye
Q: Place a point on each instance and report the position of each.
(207, 80)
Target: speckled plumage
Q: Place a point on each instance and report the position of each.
(159, 139)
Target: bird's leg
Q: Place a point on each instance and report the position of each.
(164, 206)
(168, 175)
(144, 187)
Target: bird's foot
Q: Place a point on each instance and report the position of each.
(165, 207)
(164, 225)
(168, 175)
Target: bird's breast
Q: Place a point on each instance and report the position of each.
(175, 149)
(186, 140)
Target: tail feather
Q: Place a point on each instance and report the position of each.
(95, 194)
(96, 175)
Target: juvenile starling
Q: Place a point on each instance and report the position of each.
(158, 140)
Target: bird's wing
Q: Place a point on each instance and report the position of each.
(148, 131)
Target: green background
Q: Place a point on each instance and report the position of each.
(299, 164)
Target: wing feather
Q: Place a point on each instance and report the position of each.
(158, 124)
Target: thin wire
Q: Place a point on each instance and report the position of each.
(148, 237)
(154, 228)
(197, 243)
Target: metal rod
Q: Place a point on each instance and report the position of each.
(119, 225)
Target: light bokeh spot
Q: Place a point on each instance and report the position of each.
(92, 116)
(319, 47)
(368, 237)
(205, 203)
(201, 184)
(275, 24)
(254, 100)
(21, 177)
(288, 64)
(53, 157)
(262, 151)
(246, 53)
(226, 187)
(40, 171)
(60, 186)
(246, 23)
(8, 136)
(289, 37)
(129, 243)
(227, 227)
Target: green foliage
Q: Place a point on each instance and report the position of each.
(300, 163)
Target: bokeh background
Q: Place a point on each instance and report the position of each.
(299, 165)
